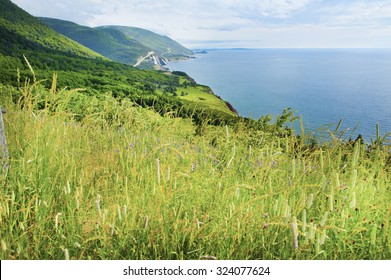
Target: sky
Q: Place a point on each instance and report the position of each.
(237, 23)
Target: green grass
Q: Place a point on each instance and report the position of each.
(126, 183)
(202, 96)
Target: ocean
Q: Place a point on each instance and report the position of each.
(321, 85)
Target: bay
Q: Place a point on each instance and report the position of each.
(321, 85)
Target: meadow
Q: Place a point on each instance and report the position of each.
(95, 177)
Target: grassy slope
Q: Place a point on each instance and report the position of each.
(125, 183)
(109, 42)
(95, 177)
(203, 96)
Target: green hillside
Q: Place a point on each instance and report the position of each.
(109, 42)
(18, 25)
(122, 44)
(162, 45)
(90, 174)
(122, 182)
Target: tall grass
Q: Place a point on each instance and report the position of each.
(97, 178)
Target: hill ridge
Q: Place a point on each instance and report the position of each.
(129, 45)
(112, 44)
(15, 20)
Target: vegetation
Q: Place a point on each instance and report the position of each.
(122, 182)
(147, 88)
(162, 45)
(17, 26)
(120, 43)
(110, 42)
(23, 36)
(94, 173)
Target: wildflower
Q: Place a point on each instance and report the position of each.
(131, 145)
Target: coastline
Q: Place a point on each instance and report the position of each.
(323, 86)
(228, 105)
(198, 96)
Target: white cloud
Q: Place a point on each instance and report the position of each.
(247, 23)
(358, 13)
(273, 8)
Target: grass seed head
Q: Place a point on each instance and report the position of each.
(57, 220)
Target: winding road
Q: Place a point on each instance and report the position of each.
(140, 60)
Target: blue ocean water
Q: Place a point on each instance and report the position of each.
(321, 85)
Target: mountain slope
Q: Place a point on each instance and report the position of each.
(16, 24)
(162, 45)
(130, 45)
(109, 42)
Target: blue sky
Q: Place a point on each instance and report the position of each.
(234, 23)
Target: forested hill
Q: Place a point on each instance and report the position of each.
(123, 44)
(20, 29)
(109, 42)
(162, 45)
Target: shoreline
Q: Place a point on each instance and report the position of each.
(229, 106)
(261, 82)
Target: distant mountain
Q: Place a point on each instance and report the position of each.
(162, 45)
(20, 30)
(109, 42)
(130, 45)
